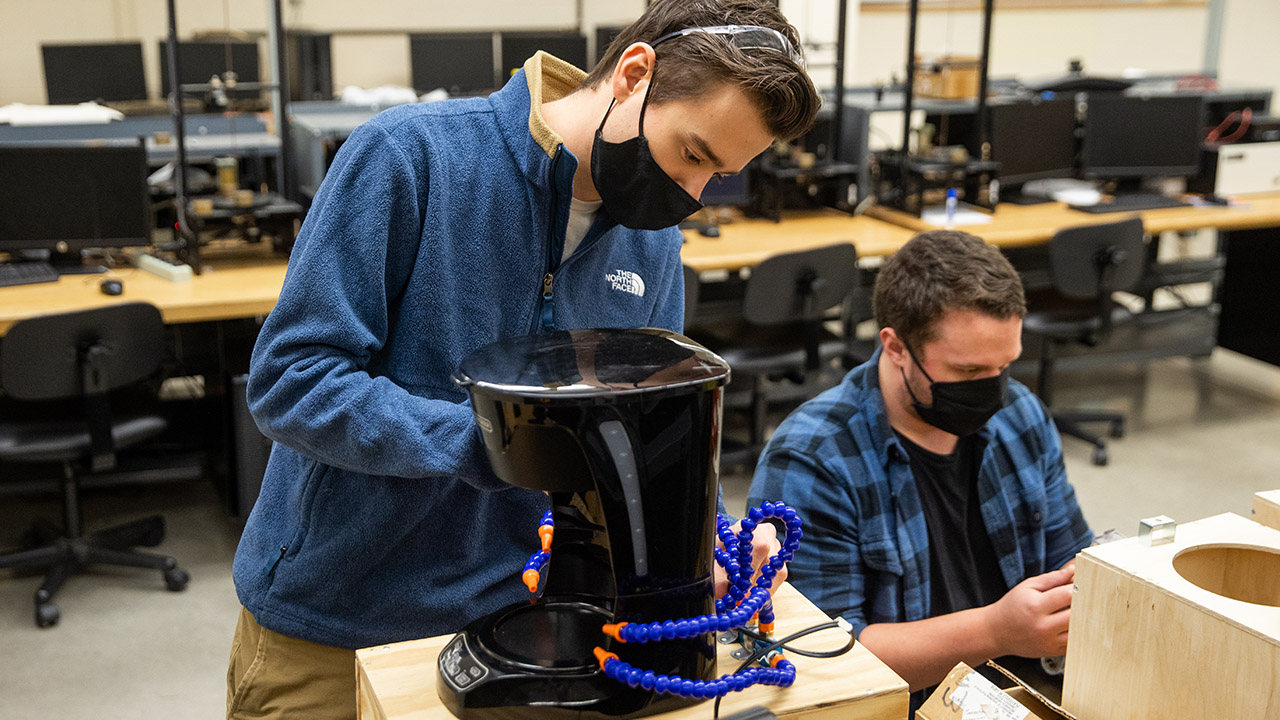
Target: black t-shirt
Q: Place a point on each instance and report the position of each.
(963, 570)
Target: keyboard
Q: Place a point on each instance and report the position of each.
(26, 273)
(1131, 203)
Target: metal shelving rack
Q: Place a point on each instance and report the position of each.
(188, 249)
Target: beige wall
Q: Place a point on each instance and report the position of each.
(1028, 43)
(1038, 43)
(365, 60)
(1251, 45)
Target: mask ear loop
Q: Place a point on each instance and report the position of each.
(643, 105)
(600, 129)
(648, 93)
(907, 382)
(914, 359)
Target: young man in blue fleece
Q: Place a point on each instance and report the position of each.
(938, 516)
(439, 229)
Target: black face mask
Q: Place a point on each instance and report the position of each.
(960, 408)
(635, 190)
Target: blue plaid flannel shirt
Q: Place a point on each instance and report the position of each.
(865, 552)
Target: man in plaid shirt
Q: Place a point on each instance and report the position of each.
(938, 517)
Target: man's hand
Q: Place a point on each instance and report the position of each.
(1031, 619)
(764, 544)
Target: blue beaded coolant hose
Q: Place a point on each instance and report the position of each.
(743, 602)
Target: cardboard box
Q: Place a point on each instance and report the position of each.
(967, 695)
(1040, 706)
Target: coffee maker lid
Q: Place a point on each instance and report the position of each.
(592, 363)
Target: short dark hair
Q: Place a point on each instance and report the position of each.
(778, 86)
(943, 270)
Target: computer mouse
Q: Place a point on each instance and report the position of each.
(111, 287)
(711, 231)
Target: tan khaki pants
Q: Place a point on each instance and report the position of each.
(274, 676)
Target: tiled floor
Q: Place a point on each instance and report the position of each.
(1202, 437)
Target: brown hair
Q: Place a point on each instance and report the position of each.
(778, 86)
(942, 270)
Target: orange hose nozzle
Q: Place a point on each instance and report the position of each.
(614, 630)
(602, 655)
(530, 578)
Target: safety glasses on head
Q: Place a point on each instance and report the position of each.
(743, 37)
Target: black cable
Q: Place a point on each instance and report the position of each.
(797, 651)
(761, 652)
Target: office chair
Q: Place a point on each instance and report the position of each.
(780, 335)
(1086, 265)
(80, 356)
(691, 284)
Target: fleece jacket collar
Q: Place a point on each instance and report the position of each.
(531, 140)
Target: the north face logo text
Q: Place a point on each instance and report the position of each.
(626, 281)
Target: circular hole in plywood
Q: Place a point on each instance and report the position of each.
(1240, 572)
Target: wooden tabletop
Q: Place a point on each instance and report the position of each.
(1019, 225)
(399, 681)
(747, 241)
(239, 281)
(244, 281)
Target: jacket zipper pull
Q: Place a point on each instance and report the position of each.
(283, 549)
(548, 294)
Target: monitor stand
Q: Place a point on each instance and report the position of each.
(1017, 198)
(1129, 186)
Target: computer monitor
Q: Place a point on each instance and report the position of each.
(461, 63)
(605, 35)
(1130, 136)
(1033, 140)
(309, 65)
(64, 198)
(732, 190)
(520, 46)
(98, 71)
(200, 60)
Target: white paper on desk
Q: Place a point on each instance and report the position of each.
(978, 698)
(87, 113)
(964, 216)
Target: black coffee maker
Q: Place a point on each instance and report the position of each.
(621, 428)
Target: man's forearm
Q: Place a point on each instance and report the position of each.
(923, 652)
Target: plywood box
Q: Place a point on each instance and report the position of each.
(1185, 629)
(1266, 508)
(949, 77)
(399, 681)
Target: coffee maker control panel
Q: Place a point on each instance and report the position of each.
(459, 667)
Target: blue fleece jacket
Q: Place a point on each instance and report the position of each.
(379, 518)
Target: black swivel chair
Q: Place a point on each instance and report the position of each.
(784, 305)
(80, 358)
(1087, 265)
(691, 284)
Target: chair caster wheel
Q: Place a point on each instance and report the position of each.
(1117, 429)
(176, 579)
(47, 614)
(1099, 456)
